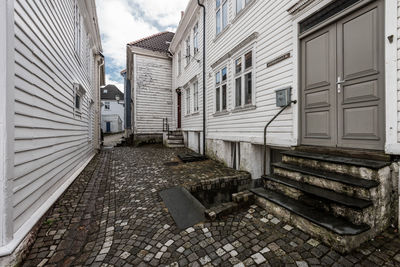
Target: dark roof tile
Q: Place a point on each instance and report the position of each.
(157, 42)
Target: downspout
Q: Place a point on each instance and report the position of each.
(204, 76)
(98, 106)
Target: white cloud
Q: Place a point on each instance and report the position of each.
(119, 25)
(119, 85)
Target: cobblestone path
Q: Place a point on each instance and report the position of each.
(112, 215)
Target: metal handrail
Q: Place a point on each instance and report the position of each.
(265, 132)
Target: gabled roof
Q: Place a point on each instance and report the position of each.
(157, 42)
(110, 91)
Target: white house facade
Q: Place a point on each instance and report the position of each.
(112, 109)
(187, 82)
(149, 75)
(49, 124)
(330, 70)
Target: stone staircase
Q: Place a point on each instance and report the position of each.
(343, 201)
(174, 139)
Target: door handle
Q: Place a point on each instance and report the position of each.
(339, 84)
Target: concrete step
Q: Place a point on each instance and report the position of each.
(338, 232)
(177, 141)
(176, 146)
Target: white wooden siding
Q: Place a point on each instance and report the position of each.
(153, 81)
(51, 141)
(398, 70)
(273, 40)
(191, 72)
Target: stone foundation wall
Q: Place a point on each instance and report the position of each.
(147, 138)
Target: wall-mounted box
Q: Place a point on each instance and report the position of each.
(283, 96)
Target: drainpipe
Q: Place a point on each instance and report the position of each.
(204, 76)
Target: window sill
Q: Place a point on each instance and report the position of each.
(243, 11)
(220, 113)
(192, 114)
(218, 36)
(244, 108)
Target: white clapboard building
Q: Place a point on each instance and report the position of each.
(51, 69)
(337, 142)
(187, 94)
(149, 77)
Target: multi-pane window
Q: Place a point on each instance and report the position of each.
(179, 63)
(220, 90)
(77, 29)
(221, 15)
(107, 105)
(187, 50)
(240, 4)
(196, 38)
(195, 96)
(244, 80)
(188, 100)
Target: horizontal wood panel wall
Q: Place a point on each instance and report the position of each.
(274, 26)
(51, 141)
(153, 93)
(190, 72)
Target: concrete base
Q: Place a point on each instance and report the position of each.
(139, 139)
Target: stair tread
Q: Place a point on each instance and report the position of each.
(367, 163)
(342, 178)
(321, 192)
(337, 225)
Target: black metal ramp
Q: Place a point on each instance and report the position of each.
(184, 208)
(191, 157)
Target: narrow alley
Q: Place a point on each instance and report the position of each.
(112, 215)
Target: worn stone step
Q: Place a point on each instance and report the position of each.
(341, 178)
(176, 145)
(319, 192)
(175, 137)
(177, 141)
(337, 225)
(366, 163)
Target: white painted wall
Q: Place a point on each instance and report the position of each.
(115, 109)
(152, 91)
(6, 123)
(52, 141)
(116, 125)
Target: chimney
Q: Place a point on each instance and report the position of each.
(182, 14)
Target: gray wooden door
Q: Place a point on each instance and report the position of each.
(343, 82)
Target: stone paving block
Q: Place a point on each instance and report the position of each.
(110, 217)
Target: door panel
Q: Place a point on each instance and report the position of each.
(360, 65)
(318, 88)
(343, 82)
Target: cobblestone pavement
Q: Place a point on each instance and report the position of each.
(112, 215)
(112, 139)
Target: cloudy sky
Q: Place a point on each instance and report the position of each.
(124, 21)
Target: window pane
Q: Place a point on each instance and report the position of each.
(248, 1)
(224, 15)
(238, 90)
(249, 59)
(224, 74)
(239, 5)
(217, 78)
(77, 101)
(248, 88)
(218, 21)
(217, 99)
(224, 97)
(238, 64)
(218, 3)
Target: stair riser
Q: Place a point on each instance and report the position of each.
(328, 184)
(340, 243)
(175, 138)
(361, 172)
(179, 142)
(354, 215)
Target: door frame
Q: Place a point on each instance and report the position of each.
(179, 108)
(391, 121)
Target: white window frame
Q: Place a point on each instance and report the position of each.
(79, 93)
(90, 120)
(242, 75)
(196, 38)
(187, 50)
(219, 101)
(243, 5)
(107, 103)
(179, 63)
(187, 100)
(219, 21)
(77, 30)
(195, 96)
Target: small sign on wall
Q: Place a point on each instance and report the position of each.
(278, 59)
